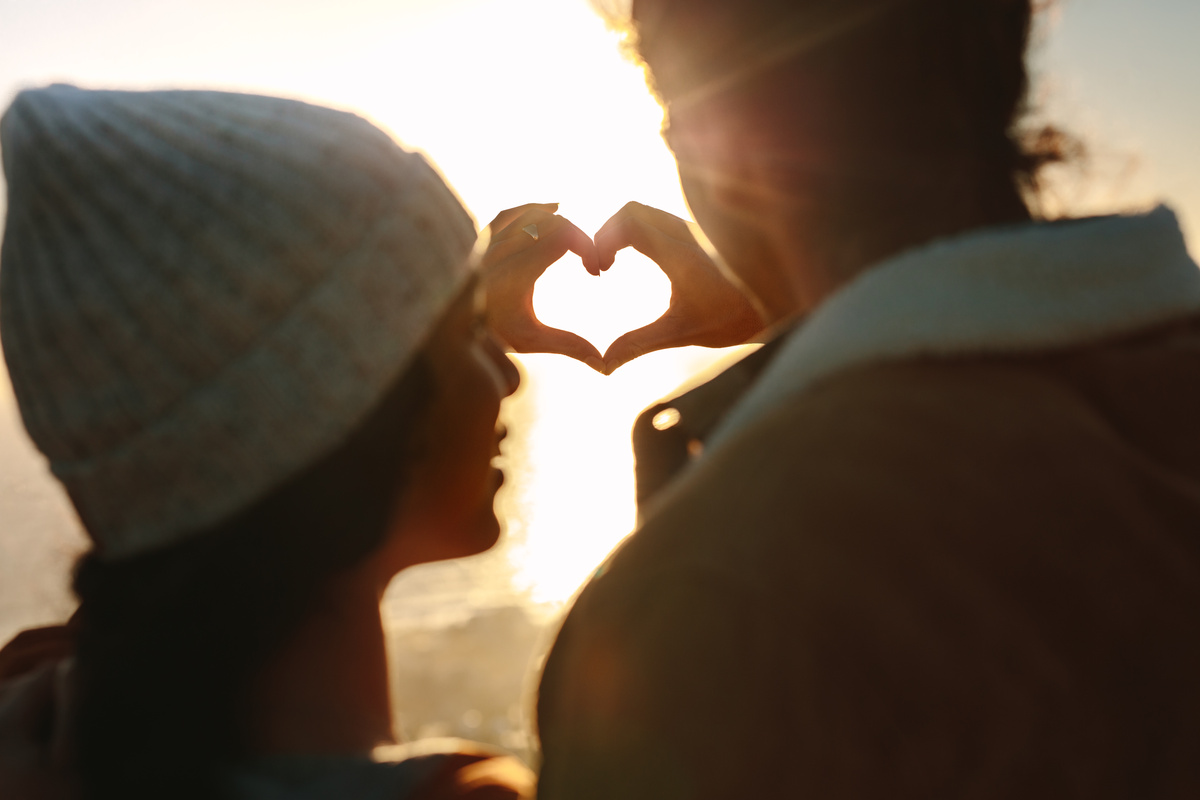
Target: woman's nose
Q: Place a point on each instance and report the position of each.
(509, 374)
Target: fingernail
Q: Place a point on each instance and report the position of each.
(596, 364)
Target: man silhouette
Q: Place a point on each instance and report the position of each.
(939, 539)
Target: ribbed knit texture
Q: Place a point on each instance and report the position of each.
(203, 292)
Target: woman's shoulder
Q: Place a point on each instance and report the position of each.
(436, 770)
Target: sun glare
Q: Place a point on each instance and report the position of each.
(516, 101)
(533, 102)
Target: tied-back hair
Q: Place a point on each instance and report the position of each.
(171, 641)
(916, 77)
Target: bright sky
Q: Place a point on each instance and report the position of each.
(529, 100)
(1125, 76)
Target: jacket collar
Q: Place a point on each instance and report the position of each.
(1029, 288)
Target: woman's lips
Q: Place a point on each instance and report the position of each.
(497, 452)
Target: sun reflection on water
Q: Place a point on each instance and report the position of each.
(571, 493)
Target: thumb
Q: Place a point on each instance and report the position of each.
(554, 340)
(658, 335)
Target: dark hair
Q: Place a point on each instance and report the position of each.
(891, 82)
(170, 641)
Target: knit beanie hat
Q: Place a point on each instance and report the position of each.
(201, 293)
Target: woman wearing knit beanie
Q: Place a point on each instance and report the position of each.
(243, 332)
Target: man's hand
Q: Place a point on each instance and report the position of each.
(35, 762)
(34, 647)
(512, 264)
(706, 308)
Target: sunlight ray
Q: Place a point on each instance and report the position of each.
(789, 40)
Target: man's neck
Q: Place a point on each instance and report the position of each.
(821, 261)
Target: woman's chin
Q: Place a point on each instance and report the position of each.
(480, 536)
(490, 539)
(463, 540)
(489, 528)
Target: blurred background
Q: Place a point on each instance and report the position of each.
(521, 101)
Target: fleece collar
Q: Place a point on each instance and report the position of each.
(1016, 289)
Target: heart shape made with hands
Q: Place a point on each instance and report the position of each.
(630, 295)
(704, 306)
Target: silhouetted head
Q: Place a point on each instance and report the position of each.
(876, 124)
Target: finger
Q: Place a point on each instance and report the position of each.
(658, 335)
(556, 235)
(666, 222)
(566, 235)
(515, 231)
(612, 236)
(505, 217)
(554, 340)
(514, 240)
(607, 242)
(632, 231)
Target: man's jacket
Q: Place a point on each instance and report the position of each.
(940, 540)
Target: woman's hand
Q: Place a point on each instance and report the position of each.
(706, 308)
(512, 264)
